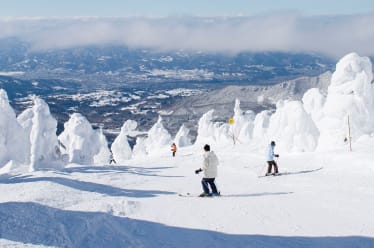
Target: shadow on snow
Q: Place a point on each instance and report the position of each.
(87, 186)
(257, 194)
(300, 172)
(142, 171)
(37, 224)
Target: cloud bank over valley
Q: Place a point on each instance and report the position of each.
(284, 32)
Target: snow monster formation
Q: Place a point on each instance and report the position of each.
(241, 129)
(83, 144)
(158, 140)
(182, 138)
(350, 95)
(318, 122)
(14, 142)
(120, 148)
(45, 150)
(210, 132)
(293, 128)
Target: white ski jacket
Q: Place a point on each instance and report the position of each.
(210, 164)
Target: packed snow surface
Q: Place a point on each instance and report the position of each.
(322, 200)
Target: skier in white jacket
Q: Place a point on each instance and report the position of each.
(210, 163)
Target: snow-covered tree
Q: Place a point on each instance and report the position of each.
(83, 143)
(45, 151)
(313, 102)
(103, 156)
(140, 149)
(292, 128)
(14, 142)
(350, 94)
(242, 128)
(209, 132)
(182, 138)
(158, 138)
(261, 125)
(120, 147)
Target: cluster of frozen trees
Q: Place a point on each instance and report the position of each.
(30, 140)
(318, 122)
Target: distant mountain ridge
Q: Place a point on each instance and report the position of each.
(109, 66)
(250, 96)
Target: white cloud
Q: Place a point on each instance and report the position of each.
(332, 35)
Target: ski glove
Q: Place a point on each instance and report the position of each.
(276, 155)
(198, 171)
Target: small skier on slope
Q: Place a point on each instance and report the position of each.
(173, 149)
(270, 159)
(111, 158)
(210, 163)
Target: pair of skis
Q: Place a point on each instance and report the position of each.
(192, 195)
(274, 174)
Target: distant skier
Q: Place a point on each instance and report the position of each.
(210, 163)
(111, 159)
(270, 159)
(173, 149)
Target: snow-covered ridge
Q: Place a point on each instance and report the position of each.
(315, 123)
(251, 96)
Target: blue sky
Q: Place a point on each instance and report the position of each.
(158, 8)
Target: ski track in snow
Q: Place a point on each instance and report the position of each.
(323, 201)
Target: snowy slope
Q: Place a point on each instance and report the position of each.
(323, 201)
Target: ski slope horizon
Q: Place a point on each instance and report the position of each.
(60, 191)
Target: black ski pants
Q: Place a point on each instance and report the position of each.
(209, 181)
(270, 165)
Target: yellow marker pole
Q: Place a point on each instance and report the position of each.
(231, 122)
